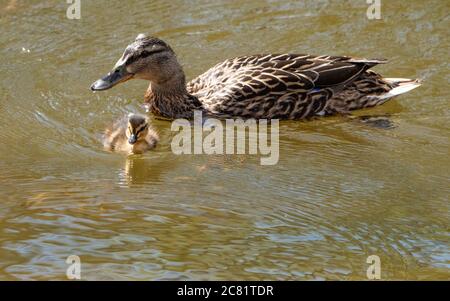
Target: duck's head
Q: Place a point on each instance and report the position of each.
(137, 128)
(146, 58)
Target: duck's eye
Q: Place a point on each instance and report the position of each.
(144, 54)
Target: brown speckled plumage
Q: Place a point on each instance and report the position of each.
(283, 86)
(287, 86)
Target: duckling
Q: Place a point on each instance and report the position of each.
(131, 135)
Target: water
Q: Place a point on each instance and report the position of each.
(342, 190)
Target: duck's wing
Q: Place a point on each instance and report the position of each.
(323, 71)
(268, 85)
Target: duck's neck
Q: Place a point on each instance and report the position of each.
(171, 99)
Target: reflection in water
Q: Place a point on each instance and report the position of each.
(342, 190)
(382, 122)
(139, 170)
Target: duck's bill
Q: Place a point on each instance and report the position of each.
(117, 76)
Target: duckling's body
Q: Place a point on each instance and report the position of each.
(282, 86)
(131, 135)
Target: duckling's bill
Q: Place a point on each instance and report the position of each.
(133, 139)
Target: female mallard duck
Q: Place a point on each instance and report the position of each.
(283, 86)
(131, 135)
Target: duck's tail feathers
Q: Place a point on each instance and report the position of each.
(401, 86)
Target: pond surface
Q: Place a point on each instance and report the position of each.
(342, 190)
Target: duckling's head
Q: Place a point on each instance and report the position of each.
(146, 58)
(137, 128)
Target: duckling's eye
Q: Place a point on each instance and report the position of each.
(141, 129)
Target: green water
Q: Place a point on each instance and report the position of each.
(342, 190)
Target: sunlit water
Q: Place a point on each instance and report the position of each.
(342, 190)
